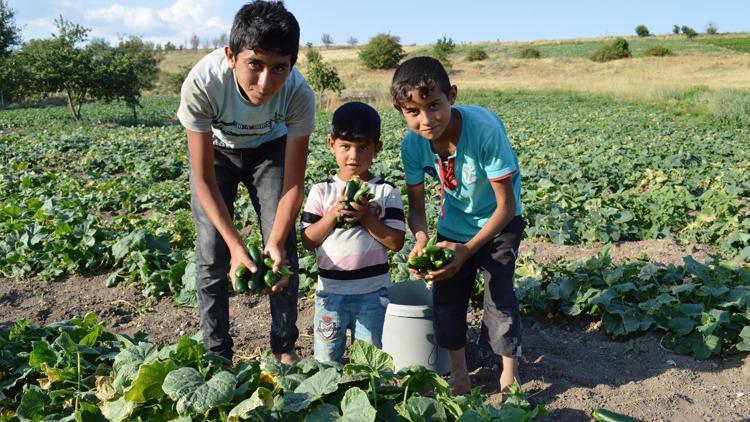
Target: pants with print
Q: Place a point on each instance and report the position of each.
(502, 320)
(334, 313)
(261, 170)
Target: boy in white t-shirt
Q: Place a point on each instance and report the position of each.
(352, 246)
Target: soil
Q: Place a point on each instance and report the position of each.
(569, 367)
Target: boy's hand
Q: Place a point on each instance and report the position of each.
(240, 257)
(419, 245)
(460, 254)
(277, 254)
(360, 213)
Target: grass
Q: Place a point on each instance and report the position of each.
(741, 44)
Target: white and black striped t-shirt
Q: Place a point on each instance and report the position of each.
(351, 261)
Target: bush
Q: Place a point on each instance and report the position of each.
(383, 51)
(642, 31)
(619, 49)
(476, 54)
(676, 30)
(530, 53)
(443, 47)
(658, 51)
(711, 29)
(688, 31)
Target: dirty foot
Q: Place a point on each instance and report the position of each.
(287, 357)
(460, 385)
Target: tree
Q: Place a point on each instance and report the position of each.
(383, 51)
(619, 49)
(688, 31)
(194, 42)
(676, 30)
(9, 37)
(711, 28)
(326, 39)
(320, 75)
(442, 48)
(642, 31)
(169, 46)
(352, 41)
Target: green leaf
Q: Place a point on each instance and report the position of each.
(34, 403)
(356, 407)
(41, 354)
(744, 343)
(422, 409)
(320, 384)
(262, 397)
(193, 394)
(681, 326)
(118, 410)
(364, 353)
(324, 412)
(147, 384)
(129, 360)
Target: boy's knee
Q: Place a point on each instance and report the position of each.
(503, 327)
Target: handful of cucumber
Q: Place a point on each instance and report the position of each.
(263, 277)
(354, 190)
(432, 258)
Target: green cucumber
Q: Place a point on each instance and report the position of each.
(257, 279)
(604, 415)
(241, 276)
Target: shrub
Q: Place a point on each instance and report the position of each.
(642, 31)
(383, 51)
(443, 47)
(312, 56)
(658, 51)
(711, 29)
(688, 31)
(530, 53)
(476, 54)
(619, 49)
(676, 30)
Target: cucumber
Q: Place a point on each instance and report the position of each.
(241, 276)
(257, 278)
(604, 415)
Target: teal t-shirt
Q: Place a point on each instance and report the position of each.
(483, 154)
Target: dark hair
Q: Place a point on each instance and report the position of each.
(356, 122)
(267, 26)
(421, 73)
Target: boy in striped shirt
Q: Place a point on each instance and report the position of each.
(351, 245)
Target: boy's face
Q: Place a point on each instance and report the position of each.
(260, 75)
(429, 116)
(353, 158)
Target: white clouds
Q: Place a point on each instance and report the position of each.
(175, 23)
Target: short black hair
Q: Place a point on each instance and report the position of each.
(421, 73)
(267, 26)
(356, 122)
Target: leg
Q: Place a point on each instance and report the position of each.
(368, 314)
(265, 166)
(330, 322)
(212, 261)
(450, 301)
(502, 318)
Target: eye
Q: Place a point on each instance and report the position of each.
(256, 66)
(280, 70)
(412, 111)
(434, 106)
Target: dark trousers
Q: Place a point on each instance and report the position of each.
(261, 170)
(502, 321)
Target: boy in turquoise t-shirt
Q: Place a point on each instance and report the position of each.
(467, 150)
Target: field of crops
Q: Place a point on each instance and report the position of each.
(113, 194)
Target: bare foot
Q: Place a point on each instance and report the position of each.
(460, 385)
(287, 357)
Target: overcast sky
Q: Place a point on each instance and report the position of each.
(419, 22)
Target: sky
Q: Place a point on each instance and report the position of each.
(415, 22)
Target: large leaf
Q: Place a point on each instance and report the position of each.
(356, 407)
(313, 388)
(423, 409)
(128, 361)
(262, 397)
(147, 384)
(744, 343)
(118, 410)
(364, 353)
(193, 394)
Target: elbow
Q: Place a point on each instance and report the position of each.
(307, 243)
(398, 243)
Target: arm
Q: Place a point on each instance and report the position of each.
(504, 212)
(204, 175)
(292, 191)
(315, 234)
(417, 219)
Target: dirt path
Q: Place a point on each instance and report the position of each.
(571, 368)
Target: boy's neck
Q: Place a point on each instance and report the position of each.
(452, 133)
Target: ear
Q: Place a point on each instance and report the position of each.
(330, 143)
(452, 94)
(230, 57)
(378, 147)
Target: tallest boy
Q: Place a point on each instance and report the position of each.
(248, 114)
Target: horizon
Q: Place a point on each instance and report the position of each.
(160, 21)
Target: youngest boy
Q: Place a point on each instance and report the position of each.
(351, 245)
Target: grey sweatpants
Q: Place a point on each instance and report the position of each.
(261, 170)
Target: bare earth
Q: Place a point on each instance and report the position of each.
(570, 367)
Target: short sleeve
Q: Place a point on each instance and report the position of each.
(394, 210)
(300, 120)
(313, 210)
(413, 173)
(497, 157)
(195, 111)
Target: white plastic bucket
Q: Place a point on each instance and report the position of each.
(408, 334)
